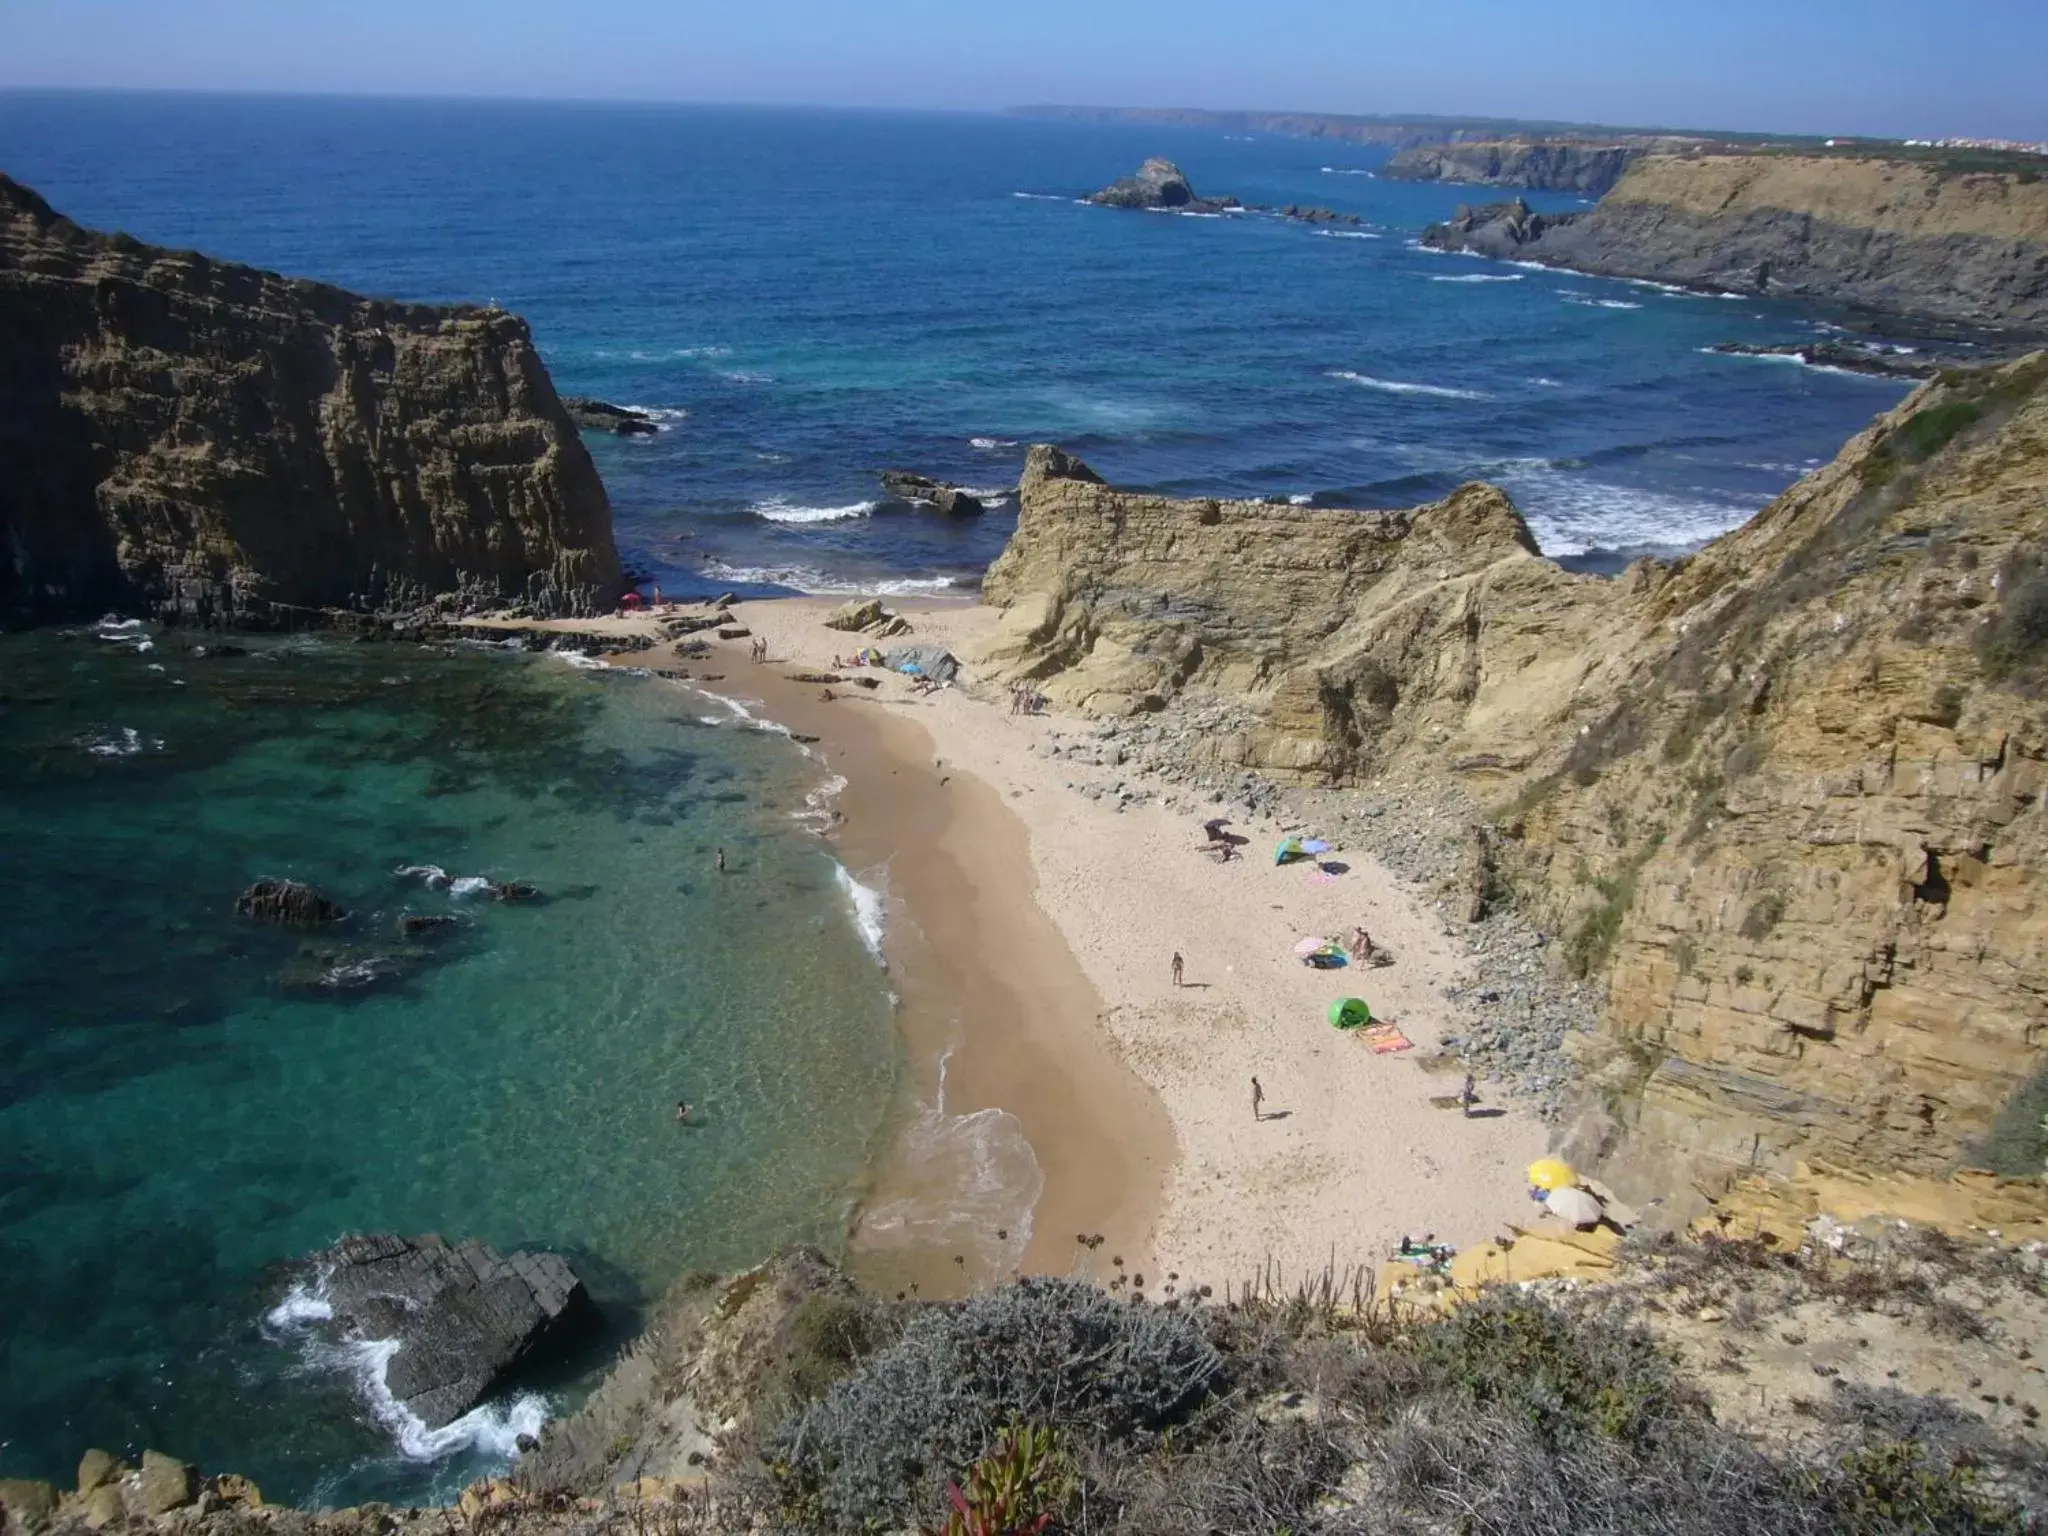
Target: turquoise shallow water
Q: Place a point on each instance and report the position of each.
(175, 1119)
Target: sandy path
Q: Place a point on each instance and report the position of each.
(1351, 1154)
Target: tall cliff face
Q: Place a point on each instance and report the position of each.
(1789, 796)
(1553, 167)
(1897, 236)
(195, 438)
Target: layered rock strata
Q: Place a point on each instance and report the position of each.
(1899, 237)
(196, 439)
(1788, 797)
(1567, 166)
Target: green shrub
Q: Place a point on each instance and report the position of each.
(1895, 1487)
(2017, 1143)
(2015, 643)
(1764, 914)
(880, 1445)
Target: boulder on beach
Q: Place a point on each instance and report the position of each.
(288, 902)
(857, 614)
(465, 1316)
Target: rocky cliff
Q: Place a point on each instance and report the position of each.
(1554, 167)
(193, 438)
(1901, 237)
(1785, 796)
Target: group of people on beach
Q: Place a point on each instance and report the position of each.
(757, 650)
(1026, 700)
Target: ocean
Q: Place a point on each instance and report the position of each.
(802, 299)
(806, 298)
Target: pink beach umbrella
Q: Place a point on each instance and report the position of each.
(1308, 947)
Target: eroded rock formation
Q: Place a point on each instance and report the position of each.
(1786, 795)
(192, 438)
(1902, 237)
(465, 1316)
(1564, 166)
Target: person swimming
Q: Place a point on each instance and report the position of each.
(683, 1108)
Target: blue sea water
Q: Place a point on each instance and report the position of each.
(810, 297)
(804, 298)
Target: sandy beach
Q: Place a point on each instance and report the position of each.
(1031, 935)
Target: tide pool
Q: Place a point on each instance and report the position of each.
(181, 1112)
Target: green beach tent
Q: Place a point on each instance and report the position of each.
(1350, 1013)
(1290, 848)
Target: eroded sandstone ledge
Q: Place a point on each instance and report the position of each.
(1786, 795)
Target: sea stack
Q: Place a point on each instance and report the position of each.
(194, 439)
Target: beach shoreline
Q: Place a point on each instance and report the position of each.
(1347, 1154)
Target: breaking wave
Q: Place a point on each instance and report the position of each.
(778, 509)
(1399, 387)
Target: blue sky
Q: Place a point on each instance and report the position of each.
(1877, 66)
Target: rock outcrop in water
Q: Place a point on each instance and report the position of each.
(465, 1316)
(1900, 237)
(195, 439)
(602, 416)
(1158, 183)
(1563, 166)
(1787, 797)
(939, 495)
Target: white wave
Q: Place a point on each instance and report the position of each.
(1300, 499)
(1041, 197)
(870, 911)
(1349, 234)
(1336, 170)
(464, 886)
(303, 1304)
(1437, 250)
(125, 741)
(746, 376)
(818, 803)
(973, 1184)
(663, 416)
(1478, 277)
(111, 626)
(1570, 513)
(1398, 387)
(1531, 266)
(432, 876)
(1797, 361)
(581, 662)
(1601, 303)
(703, 352)
(809, 579)
(990, 444)
(777, 509)
(1544, 383)
(990, 492)
(493, 1429)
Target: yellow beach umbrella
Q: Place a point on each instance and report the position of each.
(1550, 1173)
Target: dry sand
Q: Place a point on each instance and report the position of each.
(1350, 1154)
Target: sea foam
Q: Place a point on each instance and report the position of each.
(779, 509)
(870, 911)
(1398, 387)
(1477, 277)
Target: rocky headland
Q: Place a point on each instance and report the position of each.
(1907, 238)
(1543, 165)
(197, 440)
(1780, 802)
(1160, 186)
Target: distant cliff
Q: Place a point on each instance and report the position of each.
(1788, 797)
(190, 437)
(1543, 166)
(1339, 128)
(1897, 236)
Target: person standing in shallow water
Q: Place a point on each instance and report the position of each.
(721, 861)
(1258, 1101)
(1179, 968)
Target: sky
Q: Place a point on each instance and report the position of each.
(1904, 68)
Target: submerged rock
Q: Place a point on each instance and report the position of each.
(938, 494)
(602, 416)
(288, 902)
(465, 1316)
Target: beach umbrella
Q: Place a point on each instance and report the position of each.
(1315, 845)
(1308, 947)
(1551, 1173)
(1577, 1207)
(1349, 1013)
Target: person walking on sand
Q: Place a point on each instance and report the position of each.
(1258, 1101)
(1468, 1096)
(1179, 968)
